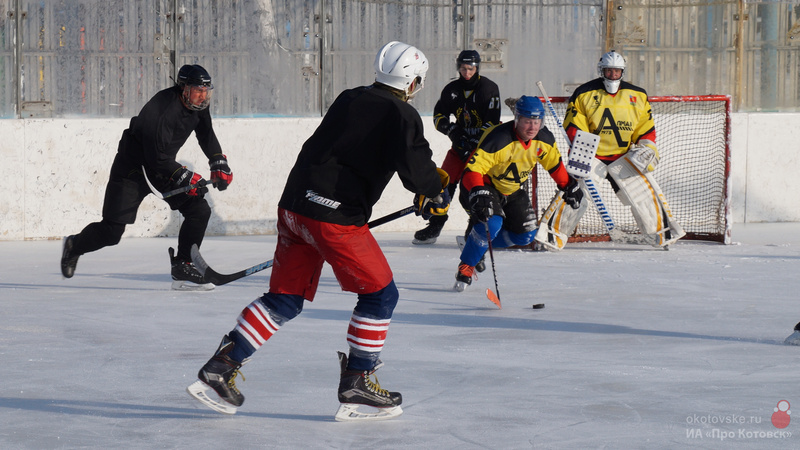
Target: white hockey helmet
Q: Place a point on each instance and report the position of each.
(611, 60)
(398, 65)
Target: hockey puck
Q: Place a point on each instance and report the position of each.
(538, 306)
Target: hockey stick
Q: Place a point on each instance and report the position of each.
(599, 204)
(168, 194)
(212, 276)
(494, 298)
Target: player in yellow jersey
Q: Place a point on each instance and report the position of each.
(491, 187)
(620, 114)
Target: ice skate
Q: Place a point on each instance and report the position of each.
(68, 260)
(464, 277)
(361, 388)
(219, 374)
(185, 276)
(429, 234)
(794, 338)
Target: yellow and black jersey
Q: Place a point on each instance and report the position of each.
(620, 120)
(474, 106)
(506, 162)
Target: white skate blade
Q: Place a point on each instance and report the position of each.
(794, 339)
(178, 285)
(348, 412)
(198, 390)
(459, 286)
(424, 241)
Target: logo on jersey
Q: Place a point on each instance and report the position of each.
(539, 152)
(632, 100)
(320, 200)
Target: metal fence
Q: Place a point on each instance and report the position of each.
(105, 58)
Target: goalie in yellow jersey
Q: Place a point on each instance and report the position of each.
(620, 114)
(491, 184)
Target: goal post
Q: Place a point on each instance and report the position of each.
(693, 138)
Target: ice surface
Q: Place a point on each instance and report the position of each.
(636, 348)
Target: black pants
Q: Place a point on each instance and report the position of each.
(125, 191)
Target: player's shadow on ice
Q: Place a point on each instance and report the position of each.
(467, 321)
(121, 410)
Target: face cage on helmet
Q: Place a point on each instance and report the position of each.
(186, 94)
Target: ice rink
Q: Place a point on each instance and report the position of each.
(636, 348)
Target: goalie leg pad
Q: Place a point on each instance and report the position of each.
(642, 194)
(558, 222)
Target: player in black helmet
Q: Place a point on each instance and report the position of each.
(151, 143)
(474, 103)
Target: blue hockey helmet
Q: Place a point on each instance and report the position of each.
(530, 107)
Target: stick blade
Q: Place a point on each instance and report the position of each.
(493, 298)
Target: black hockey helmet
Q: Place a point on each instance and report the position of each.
(194, 75)
(471, 57)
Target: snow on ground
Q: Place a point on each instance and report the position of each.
(636, 348)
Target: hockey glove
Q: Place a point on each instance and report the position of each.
(480, 203)
(436, 206)
(644, 155)
(184, 177)
(573, 194)
(221, 175)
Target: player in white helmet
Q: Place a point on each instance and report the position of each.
(368, 134)
(620, 114)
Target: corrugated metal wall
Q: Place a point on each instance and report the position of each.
(105, 58)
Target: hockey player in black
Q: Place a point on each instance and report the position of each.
(474, 102)
(151, 143)
(368, 134)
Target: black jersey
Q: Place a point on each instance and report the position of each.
(475, 108)
(366, 136)
(162, 127)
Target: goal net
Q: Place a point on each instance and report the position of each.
(692, 134)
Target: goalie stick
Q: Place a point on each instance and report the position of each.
(218, 279)
(615, 233)
(168, 194)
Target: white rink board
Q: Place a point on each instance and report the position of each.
(57, 170)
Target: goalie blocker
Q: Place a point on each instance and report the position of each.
(636, 189)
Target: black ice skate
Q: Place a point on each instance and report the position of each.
(219, 374)
(463, 277)
(429, 234)
(357, 388)
(481, 266)
(185, 276)
(69, 260)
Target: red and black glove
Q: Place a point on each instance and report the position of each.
(184, 177)
(221, 175)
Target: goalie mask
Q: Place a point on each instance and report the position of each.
(401, 66)
(611, 60)
(195, 84)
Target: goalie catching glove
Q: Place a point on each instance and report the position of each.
(184, 177)
(221, 175)
(436, 206)
(644, 155)
(573, 194)
(480, 203)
